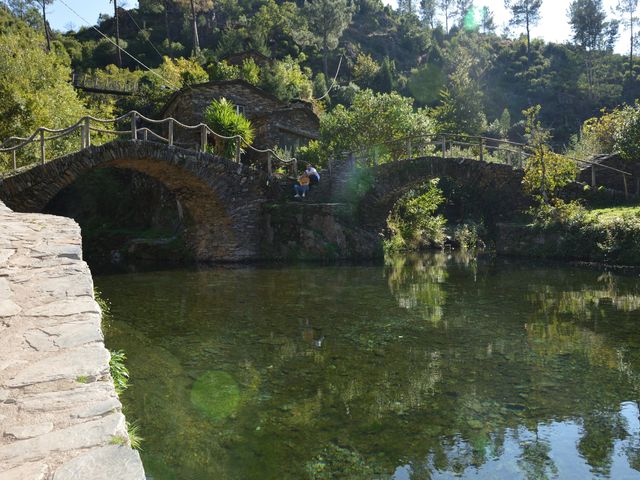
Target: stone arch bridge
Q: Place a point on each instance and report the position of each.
(228, 206)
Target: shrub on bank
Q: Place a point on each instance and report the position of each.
(568, 230)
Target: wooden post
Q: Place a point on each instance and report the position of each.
(87, 132)
(145, 132)
(14, 160)
(295, 167)
(269, 166)
(593, 176)
(170, 135)
(238, 149)
(626, 187)
(203, 137)
(42, 149)
(444, 146)
(481, 150)
(134, 127)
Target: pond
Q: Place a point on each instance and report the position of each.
(424, 367)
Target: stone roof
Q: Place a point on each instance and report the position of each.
(197, 86)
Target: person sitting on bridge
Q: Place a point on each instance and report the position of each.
(314, 176)
(302, 187)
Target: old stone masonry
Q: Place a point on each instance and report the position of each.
(60, 417)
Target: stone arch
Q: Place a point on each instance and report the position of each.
(497, 184)
(223, 199)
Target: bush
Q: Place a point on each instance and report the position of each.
(413, 222)
(222, 118)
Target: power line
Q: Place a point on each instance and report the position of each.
(118, 46)
(333, 84)
(140, 29)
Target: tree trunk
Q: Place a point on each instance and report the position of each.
(528, 40)
(166, 21)
(196, 40)
(631, 46)
(46, 26)
(325, 57)
(115, 18)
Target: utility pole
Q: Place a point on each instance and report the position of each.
(196, 41)
(46, 25)
(115, 18)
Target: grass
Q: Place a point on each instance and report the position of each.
(606, 215)
(82, 379)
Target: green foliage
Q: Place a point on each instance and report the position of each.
(222, 118)
(365, 70)
(287, 80)
(181, 72)
(219, 71)
(135, 439)
(373, 119)
(35, 91)
(312, 153)
(545, 171)
(468, 235)
(250, 71)
(103, 303)
(413, 222)
(608, 236)
(461, 109)
(119, 371)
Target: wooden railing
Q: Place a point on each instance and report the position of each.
(132, 122)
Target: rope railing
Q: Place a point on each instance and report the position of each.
(513, 153)
(137, 132)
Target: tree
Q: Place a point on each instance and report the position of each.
(372, 119)
(327, 20)
(461, 109)
(447, 8)
(428, 12)
(407, 7)
(546, 172)
(524, 13)
(463, 7)
(591, 31)
(35, 90)
(628, 8)
(26, 10)
(195, 7)
(487, 22)
(117, 27)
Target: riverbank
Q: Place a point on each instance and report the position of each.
(60, 416)
(609, 236)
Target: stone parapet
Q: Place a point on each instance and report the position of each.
(60, 417)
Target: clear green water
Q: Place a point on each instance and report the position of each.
(422, 368)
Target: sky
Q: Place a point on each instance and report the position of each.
(553, 26)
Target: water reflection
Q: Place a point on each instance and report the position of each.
(429, 367)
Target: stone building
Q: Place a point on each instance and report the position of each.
(276, 123)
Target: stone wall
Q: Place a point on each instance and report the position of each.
(316, 231)
(60, 416)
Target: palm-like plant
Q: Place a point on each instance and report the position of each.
(221, 116)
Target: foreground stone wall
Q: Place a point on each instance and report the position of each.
(60, 417)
